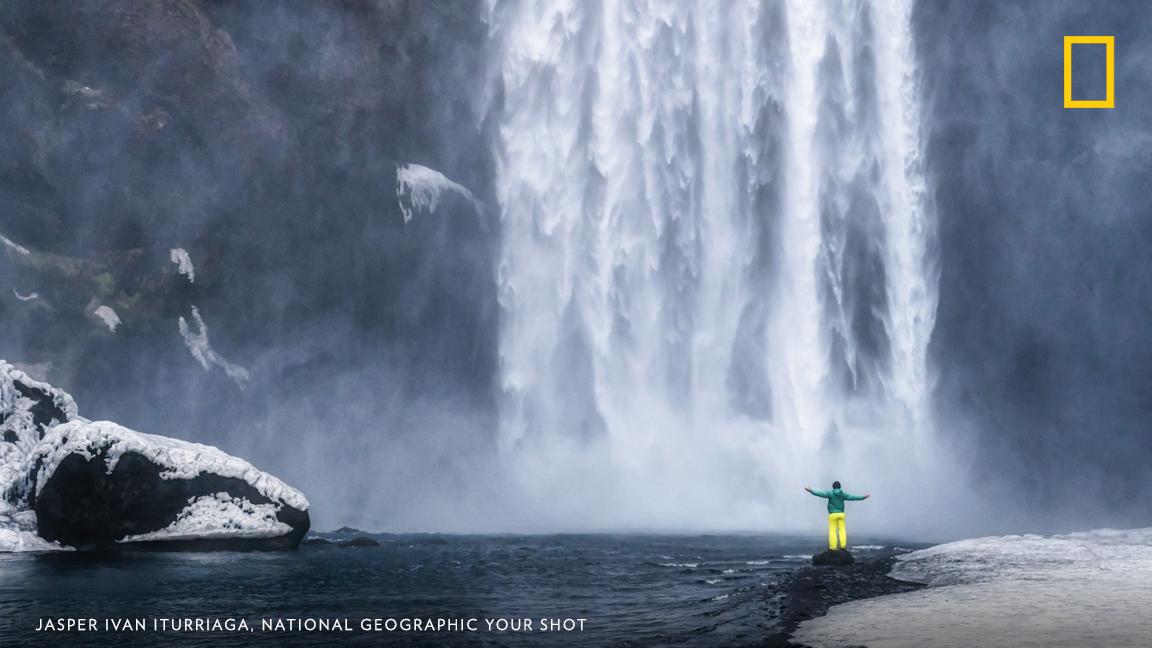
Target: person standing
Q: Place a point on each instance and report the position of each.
(836, 498)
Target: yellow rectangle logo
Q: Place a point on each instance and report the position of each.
(1109, 43)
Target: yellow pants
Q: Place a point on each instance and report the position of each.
(836, 525)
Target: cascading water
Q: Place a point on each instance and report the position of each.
(716, 276)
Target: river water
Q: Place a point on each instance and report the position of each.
(630, 589)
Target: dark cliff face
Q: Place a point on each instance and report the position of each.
(263, 138)
(1045, 301)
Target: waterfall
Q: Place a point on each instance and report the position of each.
(716, 277)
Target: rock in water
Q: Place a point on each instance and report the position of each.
(838, 557)
(98, 484)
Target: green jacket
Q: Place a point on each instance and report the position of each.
(836, 499)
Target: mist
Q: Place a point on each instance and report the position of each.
(528, 266)
(1044, 292)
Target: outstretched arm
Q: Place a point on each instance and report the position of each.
(857, 497)
(817, 493)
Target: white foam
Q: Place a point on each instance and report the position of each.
(219, 516)
(28, 297)
(1079, 589)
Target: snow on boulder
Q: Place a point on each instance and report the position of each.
(219, 516)
(65, 480)
(28, 408)
(96, 484)
(18, 533)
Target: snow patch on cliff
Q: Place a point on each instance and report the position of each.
(219, 516)
(183, 262)
(418, 189)
(28, 297)
(197, 342)
(12, 245)
(108, 316)
(177, 459)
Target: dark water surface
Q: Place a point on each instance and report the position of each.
(631, 589)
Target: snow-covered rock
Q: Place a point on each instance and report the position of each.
(27, 409)
(219, 516)
(98, 484)
(18, 532)
(66, 480)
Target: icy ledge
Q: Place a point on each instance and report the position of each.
(1080, 589)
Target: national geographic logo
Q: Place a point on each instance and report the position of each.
(1109, 43)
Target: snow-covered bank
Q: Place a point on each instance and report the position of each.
(1080, 589)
